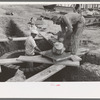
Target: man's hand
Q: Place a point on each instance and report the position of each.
(10, 38)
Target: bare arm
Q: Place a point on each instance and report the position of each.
(34, 45)
(68, 23)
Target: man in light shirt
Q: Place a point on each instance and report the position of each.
(30, 44)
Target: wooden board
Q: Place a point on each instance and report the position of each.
(13, 39)
(54, 57)
(40, 59)
(9, 61)
(75, 58)
(82, 51)
(43, 75)
(18, 39)
(45, 36)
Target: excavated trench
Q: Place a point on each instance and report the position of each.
(89, 69)
(13, 49)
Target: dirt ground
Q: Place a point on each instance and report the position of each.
(23, 13)
(20, 18)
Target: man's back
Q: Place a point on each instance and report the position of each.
(73, 17)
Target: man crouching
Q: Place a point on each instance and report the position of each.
(30, 47)
(30, 44)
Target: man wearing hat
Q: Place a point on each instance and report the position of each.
(31, 47)
(72, 25)
(30, 44)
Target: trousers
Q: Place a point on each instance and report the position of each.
(72, 42)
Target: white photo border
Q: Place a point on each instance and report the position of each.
(49, 89)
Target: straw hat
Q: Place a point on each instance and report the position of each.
(34, 32)
(58, 45)
(58, 48)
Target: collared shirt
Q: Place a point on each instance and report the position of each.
(30, 44)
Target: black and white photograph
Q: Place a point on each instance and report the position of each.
(56, 42)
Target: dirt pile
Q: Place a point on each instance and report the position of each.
(13, 22)
(9, 28)
(86, 72)
(92, 57)
(18, 77)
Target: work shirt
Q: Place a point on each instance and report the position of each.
(30, 44)
(71, 19)
(75, 24)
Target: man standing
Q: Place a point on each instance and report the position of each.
(72, 25)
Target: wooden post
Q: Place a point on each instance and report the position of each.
(43, 75)
(18, 39)
(9, 61)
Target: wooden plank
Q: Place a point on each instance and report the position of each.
(49, 54)
(14, 39)
(18, 39)
(45, 36)
(43, 75)
(82, 51)
(68, 63)
(64, 56)
(75, 58)
(40, 59)
(9, 61)
(95, 23)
